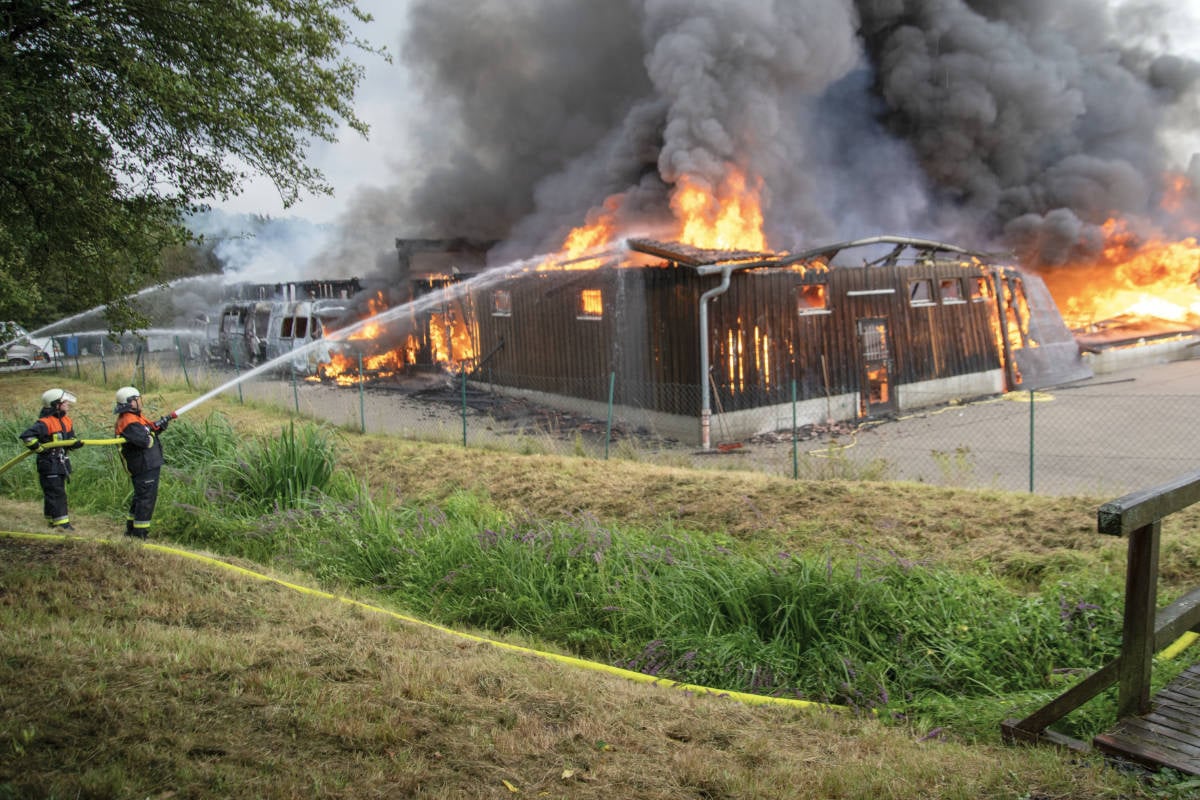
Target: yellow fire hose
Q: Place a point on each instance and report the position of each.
(61, 443)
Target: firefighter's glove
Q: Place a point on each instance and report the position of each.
(78, 444)
(34, 447)
(161, 423)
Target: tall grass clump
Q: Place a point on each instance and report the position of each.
(874, 632)
(16, 481)
(197, 446)
(284, 471)
(253, 498)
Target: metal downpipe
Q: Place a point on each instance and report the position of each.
(705, 381)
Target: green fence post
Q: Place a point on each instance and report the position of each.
(362, 405)
(295, 388)
(1031, 441)
(795, 438)
(237, 369)
(612, 383)
(182, 363)
(103, 364)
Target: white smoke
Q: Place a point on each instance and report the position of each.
(252, 249)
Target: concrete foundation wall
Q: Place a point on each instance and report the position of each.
(944, 390)
(1143, 355)
(738, 425)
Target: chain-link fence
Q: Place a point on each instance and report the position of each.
(1104, 437)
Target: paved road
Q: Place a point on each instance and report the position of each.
(1105, 437)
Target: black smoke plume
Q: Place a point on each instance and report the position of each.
(1014, 124)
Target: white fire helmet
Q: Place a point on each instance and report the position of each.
(52, 396)
(125, 394)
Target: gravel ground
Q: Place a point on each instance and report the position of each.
(1105, 437)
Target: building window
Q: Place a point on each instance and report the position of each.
(920, 292)
(591, 304)
(951, 290)
(981, 289)
(502, 303)
(285, 329)
(812, 298)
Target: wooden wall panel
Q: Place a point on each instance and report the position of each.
(759, 341)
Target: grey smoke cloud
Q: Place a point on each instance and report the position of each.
(993, 123)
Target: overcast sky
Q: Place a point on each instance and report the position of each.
(353, 164)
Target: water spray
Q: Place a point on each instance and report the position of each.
(66, 320)
(423, 303)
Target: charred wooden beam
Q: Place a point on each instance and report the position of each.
(690, 256)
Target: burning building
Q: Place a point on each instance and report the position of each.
(721, 141)
(690, 340)
(695, 341)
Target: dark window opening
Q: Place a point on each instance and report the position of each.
(920, 292)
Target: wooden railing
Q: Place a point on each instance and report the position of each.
(1147, 629)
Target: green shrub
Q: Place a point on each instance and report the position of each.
(283, 472)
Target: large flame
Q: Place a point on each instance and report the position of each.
(447, 341)
(727, 218)
(1135, 277)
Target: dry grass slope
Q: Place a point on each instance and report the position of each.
(132, 673)
(127, 672)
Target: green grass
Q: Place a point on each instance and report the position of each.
(945, 611)
(872, 630)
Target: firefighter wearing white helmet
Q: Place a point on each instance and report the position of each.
(142, 454)
(53, 463)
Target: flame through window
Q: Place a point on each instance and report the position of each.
(591, 304)
(811, 298)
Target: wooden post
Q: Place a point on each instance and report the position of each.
(1141, 604)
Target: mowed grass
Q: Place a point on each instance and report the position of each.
(943, 611)
(133, 673)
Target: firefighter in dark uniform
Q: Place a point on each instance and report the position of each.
(53, 463)
(143, 456)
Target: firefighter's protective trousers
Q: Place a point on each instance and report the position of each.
(145, 496)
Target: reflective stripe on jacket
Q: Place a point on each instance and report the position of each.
(53, 426)
(142, 450)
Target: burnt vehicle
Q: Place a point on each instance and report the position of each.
(294, 318)
(23, 350)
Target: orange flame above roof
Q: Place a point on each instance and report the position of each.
(725, 217)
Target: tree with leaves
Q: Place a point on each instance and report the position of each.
(119, 117)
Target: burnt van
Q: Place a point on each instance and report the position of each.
(250, 333)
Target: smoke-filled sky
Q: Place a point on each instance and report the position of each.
(1015, 124)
